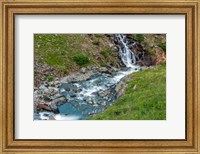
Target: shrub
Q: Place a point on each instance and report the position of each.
(50, 78)
(163, 46)
(81, 59)
(139, 37)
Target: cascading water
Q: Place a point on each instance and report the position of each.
(128, 57)
(88, 98)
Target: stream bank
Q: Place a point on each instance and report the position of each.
(90, 91)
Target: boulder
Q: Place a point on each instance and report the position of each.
(59, 100)
(42, 106)
(76, 77)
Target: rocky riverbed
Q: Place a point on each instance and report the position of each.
(80, 95)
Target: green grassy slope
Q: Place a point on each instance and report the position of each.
(145, 98)
(70, 52)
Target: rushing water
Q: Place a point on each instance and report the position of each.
(90, 97)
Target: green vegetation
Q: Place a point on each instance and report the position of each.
(58, 50)
(106, 52)
(145, 98)
(81, 59)
(99, 35)
(152, 52)
(163, 46)
(139, 37)
(50, 78)
(69, 52)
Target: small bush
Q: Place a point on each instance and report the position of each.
(163, 46)
(81, 59)
(50, 78)
(139, 37)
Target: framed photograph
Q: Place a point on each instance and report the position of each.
(99, 76)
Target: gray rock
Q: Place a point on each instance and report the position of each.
(83, 70)
(77, 77)
(42, 88)
(104, 93)
(59, 100)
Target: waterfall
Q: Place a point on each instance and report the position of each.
(86, 98)
(128, 57)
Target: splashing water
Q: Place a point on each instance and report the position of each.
(87, 101)
(128, 57)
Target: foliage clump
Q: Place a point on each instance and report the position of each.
(139, 37)
(50, 78)
(81, 59)
(163, 46)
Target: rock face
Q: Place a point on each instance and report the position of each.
(47, 97)
(148, 52)
(42, 71)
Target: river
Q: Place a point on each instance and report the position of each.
(90, 97)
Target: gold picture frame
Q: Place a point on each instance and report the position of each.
(9, 8)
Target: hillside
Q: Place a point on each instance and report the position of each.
(57, 55)
(99, 76)
(144, 99)
(61, 54)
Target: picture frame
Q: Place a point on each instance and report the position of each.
(7, 93)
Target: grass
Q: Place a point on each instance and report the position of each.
(81, 59)
(70, 52)
(145, 98)
(139, 37)
(59, 50)
(106, 52)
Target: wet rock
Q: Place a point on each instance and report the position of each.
(104, 93)
(42, 106)
(51, 117)
(46, 98)
(67, 89)
(59, 100)
(42, 88)
(73, 95)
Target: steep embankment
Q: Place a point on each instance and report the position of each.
(57, 55)
(144, 99)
